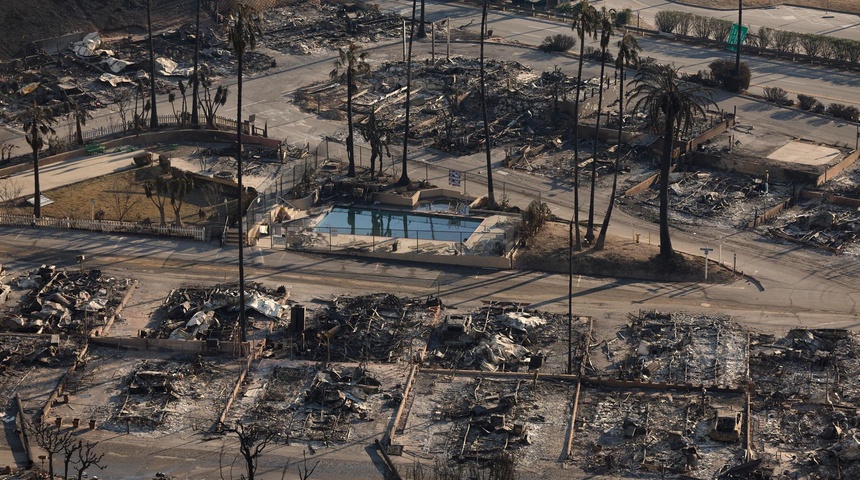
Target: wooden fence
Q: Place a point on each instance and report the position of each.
(106, 226)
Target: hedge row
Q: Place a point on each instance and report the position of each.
(819, 46)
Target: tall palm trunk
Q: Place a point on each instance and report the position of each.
(195, 119)
(589, 233)
(404, 176)
(578, 241)
(491, 198)
(350, 140)
(153, 119)
(668, 144)
(601, 238)
(37, 197)
(243, 319)
(422, 29)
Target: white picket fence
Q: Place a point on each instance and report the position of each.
(106, 226)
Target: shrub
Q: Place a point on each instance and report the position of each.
(819, 108)
(624, 17)
(723, 72)
(806, 102)
(592, 53)
(764, 37)
(558, 43)
(721, 29)
(845, 112)
(776, 95)
(667, 20)
(784, 41)
(534, 219)
(702, 27)
(685, 22)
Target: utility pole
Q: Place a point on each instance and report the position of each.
(740, 37)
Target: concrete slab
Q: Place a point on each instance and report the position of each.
(805, 154)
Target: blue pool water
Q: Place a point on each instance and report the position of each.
(397, 224)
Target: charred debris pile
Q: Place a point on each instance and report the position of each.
(446, 103)
(63, 301)
(156, 391)
(212, 313)
(378, 327)
(678, 348)
(496, 337)
(309, 27)
(322, 405)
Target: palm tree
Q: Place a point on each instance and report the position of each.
(491, 198)
(153, 119)
(81, 115)
(663, 96)
(606, 20)
(404, 176)
(195, 78)
(37, 124)
(244, 30)
(628, 54)
(584, 19)
(351, 63)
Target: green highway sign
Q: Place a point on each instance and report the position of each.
(732, 41)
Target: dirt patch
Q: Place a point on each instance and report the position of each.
(621, 258)
(121, 197)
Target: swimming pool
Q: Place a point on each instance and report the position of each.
(397, 224)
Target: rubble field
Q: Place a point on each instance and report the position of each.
(830, 222)
(377, 327)
(645, 434)
(676, 348)
(212, 313)
(502, 337)
(49, 300)
(477, 419)
(144, 392)
(319, 405)
(807, 392)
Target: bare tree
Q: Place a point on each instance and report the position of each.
(121, 97)
(157, 192)
(123, 196)
(305, 472)
(10, 189)
(6, 151)
(178, 186)
(252, 441)
(51, 440)
(69, 451)
(87, 457)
